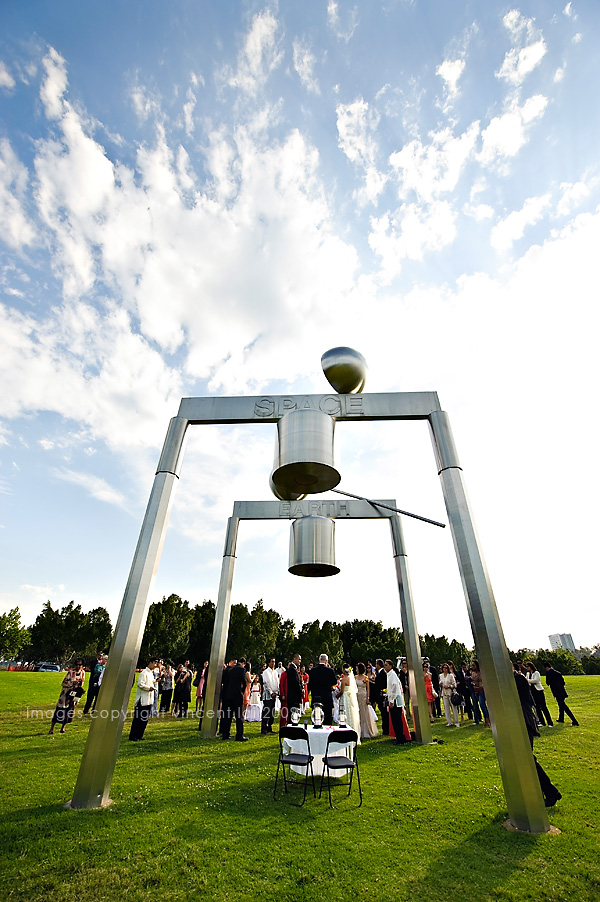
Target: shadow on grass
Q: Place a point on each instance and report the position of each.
(480, 866)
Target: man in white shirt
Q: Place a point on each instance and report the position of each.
(395, 698)
(144, 698)
(270, 691)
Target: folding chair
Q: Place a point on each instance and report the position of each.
(297, 759)
(333, 762)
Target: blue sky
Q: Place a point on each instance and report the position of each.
(202, 198)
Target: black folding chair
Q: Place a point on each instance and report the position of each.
(296, 759)
(332, 762)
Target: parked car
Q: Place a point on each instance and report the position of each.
(47, 667)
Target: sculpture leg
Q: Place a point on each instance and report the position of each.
(92, 789)
(416, 682)
(220, 633)
(521, 785)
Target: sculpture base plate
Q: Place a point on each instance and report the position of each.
(508, 825)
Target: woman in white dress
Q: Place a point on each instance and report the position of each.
(349, 700)
(368, 729)
(448, 687)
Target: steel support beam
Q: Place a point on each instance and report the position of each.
(418, 696)
(521, 785)
(92, 789)
(220, 633)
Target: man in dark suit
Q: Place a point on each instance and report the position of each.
(556, 681)
(321, 681)
(549, 790)
(294, 684)
(234, 684)
(380, 698)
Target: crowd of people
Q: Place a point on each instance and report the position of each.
(369, 698)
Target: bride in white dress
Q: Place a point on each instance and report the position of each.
(368, 730)
(349, 700)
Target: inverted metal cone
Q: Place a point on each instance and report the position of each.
(305, 453)
(312, 547)
(345, 370)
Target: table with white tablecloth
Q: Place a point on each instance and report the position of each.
(253, 713)
(317, 738)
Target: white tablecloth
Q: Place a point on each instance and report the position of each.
(318, 744)
(253, 713)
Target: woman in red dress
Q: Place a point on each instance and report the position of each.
(429, 690)
(304, 678)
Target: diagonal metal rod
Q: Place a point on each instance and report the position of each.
(389, 508)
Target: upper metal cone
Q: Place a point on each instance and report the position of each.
(304, 461)
(345, 370)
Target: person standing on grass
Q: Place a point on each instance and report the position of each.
(395, 699)
(270, 691)
(144, 699)
(199, 681)
(234, 685)
(463, 679)
(182, 695)
(429, 690)
(166, 687)
(537, 694)
(549, 790)
(294, 686)
(71, 692)
(381, 696)
(94, 684)
(321, 681)
(404, 682)
(556, 681)
(479, 694)
(448, 688)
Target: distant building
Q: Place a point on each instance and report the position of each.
(562, 640)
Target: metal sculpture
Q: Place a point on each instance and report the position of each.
(517, 767)
(301, 512)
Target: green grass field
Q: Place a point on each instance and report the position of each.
(195, 819)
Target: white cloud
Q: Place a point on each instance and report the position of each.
(6, 80)
(357, 124)
(519, 63)
(304, 64)
(54, 85)
(145, 105)
(433, 169)
(41, 594)
(410, 233)
(90, 369)
(506, 134)
(478, 212)
(513, 226)
(259, 57)
(573, 194)
(17, 229)
(450, 71)
(344, 31)
(519, 27)
(98, 488)
(188, 111)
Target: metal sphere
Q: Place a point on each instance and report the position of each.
(345, 369)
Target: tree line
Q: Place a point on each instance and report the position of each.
(177, 631)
